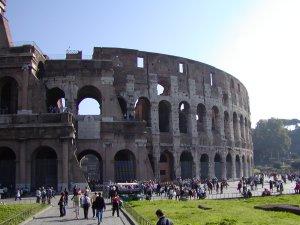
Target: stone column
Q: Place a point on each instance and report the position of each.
(65, 163)
(224, 169)
(241, 167)
(211, 167)
(108, 162)
(141, 164)
(177, 166)
(197, 164)
(231, 131)
(22, 181)
(233, 167)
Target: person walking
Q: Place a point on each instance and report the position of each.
(61, 203)
(18, 195)
(162, 220)
(93, 198)
(115, 205)
(100, 207)
(86, 203)
(76, 201)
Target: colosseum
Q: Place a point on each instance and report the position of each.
(161, 117)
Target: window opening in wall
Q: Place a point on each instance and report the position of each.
(231, 84)
(89, 106)
(239, 88)
(142, 110)
(211, 79)
(55, 100)
(140, 62)
(160, 89)
(180, 67)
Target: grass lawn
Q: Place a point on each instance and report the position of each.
(223, 212)
(8, 211)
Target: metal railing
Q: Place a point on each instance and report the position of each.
(137, 217)
(16, 219)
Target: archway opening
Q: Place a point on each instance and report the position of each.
(125, 166)
(238, 166)
(142, 110)
(186, 164)
(123, 106)
(218, 166)
(7, 168)
(8, 96)
(201, 118)
(89, 100)
(229, 166)
(235, 128)
(55, 100)
(245, 172)
(242, 126)
(92, 166)
(204, 167)
(184, 112)
(166, 166)
(44, 171)
(164, 112)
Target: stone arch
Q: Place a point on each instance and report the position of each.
(92, 166)
(125, 166)
(164, 113)
(226, 125)
(238, 166)
(186, 164)
(123, 106)
(218, 166)
(166, 165)
(184, 117)
(204, 166)
(215, 120)
(229, 174)
(142, 110)
(44, 168)
(8, 95)
(91, 92)
(7, 168)
(55, 100)
(201, 118)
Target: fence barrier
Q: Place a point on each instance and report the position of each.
(137, 217)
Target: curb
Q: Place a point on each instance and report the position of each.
(128, 217)
(32, 217)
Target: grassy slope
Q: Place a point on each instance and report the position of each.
(7, 211)
(223, 212)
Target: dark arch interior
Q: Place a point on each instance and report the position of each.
(218, 167)
(186, 162)
(166, 169)
(142, 110)
(214, 119)
(54, 100)
(125, 166)
(163, 158)
(123, 106)
(204, 160)
(7, 168)
(44, 168)
(164, 110)
(8, 96)
(184, 111)
(201, 113)
(228, 166)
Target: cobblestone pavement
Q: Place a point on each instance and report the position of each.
(51, 216)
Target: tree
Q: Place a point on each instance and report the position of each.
(270, 141)
(295, 139)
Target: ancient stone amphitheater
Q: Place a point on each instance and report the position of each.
(161, 117)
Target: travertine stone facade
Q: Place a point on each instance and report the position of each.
(161, 117)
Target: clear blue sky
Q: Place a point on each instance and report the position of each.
(240, 36)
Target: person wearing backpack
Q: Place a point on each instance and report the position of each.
(162, 220)
(86, 203)
(100, 206)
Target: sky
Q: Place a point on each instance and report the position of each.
(257, 41)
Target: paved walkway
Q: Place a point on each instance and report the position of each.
(51, 216)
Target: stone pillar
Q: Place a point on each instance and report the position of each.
(231, 131)
(177, 166)
(241, 167)
(108, 162)
(26, 68)
(22, 181)
(224, 169)
(141, 161)
(208, 125)
(65, 163)
(233, 167)
(211, 167)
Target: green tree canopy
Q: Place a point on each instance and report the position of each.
(271, 141)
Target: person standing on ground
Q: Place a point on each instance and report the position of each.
(100, 207)
(18, 195)
(115, 205)
(93, 198)
(162, 220)
(61, 203)
(76, 201)
(86, 203)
